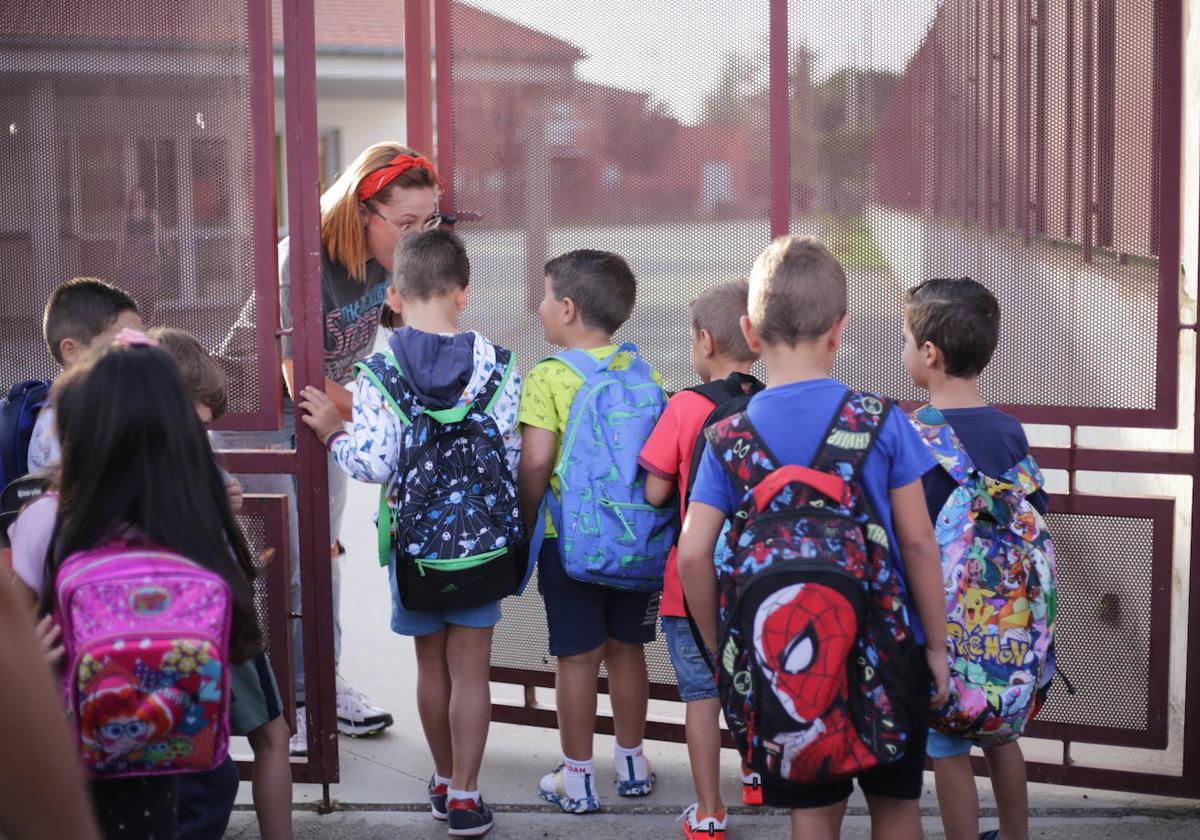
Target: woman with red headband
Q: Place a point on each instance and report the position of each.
(388, 193)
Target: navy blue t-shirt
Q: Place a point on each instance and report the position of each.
(994, 440)
(792, 419)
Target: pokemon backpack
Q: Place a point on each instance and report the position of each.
(1000, 579)
(146, 633)
(815, 646)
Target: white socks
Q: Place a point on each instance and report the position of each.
(630, 764)
(578, 778)
(440, 780)
(452, 794)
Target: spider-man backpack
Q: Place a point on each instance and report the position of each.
(814, 643)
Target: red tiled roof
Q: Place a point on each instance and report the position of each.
(379, 24)
(360, 25)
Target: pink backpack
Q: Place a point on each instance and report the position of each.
(147, 675)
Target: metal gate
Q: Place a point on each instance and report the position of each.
(1033, 145)
(168, 108)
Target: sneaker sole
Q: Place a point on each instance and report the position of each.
(360, 730)
(571, 806)
(475, 831)
(440, 816)
(636, 787)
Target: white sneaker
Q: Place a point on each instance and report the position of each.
(298, 743)
(355, 714)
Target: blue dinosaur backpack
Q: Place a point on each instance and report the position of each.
(815, 658)
(999, 572)
(607, 533)
(18, 413)
(451, 526)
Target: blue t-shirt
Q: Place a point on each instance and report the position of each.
(792, 420)
(994, 440)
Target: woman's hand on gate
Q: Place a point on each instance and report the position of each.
(321, 415)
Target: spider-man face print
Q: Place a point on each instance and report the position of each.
(803, 635)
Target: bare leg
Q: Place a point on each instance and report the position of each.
(704, 751)
(823, 823)
(272, 786)
(958, 799)
(1006, 766)
(468, 655)
(894, 819)
(629, 689)
(433, 699)
(575, 695)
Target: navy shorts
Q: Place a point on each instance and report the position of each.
(693, 676)
(582, 616)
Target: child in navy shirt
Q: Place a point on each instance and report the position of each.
(950, 332)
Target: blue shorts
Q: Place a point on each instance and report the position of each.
(408, 622)
(692, 674)
(582, 616)
(941, 745)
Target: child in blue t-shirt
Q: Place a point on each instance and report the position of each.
(797, 312)
(950, 332)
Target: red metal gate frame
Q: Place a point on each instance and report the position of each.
(308, 460)
(1166, 212)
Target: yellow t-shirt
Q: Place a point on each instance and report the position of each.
(546, 399)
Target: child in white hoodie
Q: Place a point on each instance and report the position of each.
(435, 420)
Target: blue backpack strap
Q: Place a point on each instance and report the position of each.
(583, 363)
(851, 436)
(944, 443)
(1025, 474)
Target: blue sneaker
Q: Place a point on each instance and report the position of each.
(469, 818)
(437, 800)
(627, 785)
(552, 789)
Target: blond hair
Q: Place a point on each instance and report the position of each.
(797, 291)
(342, 231)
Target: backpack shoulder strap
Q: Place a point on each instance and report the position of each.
(852, 434)
(939, 436)
(1025, 474)
(383, 371)
(506, 363)
(739, 447)
(583, 363)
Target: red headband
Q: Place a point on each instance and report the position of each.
(370, 186)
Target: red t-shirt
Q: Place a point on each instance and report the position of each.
(668, 454)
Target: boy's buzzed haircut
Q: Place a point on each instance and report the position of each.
(431, 264)
(719, 311)
(202, 375)
(961, 318)
(797, 291)
(81, 309)
(599, 282)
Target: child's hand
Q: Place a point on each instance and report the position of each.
(233, 488)
(939, 667)
(50, 635)
(322, 415)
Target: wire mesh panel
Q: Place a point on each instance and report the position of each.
(1014, 141)
(629, 138)
(1112, 625)
(127, 143)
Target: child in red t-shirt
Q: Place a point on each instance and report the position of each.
(720, 357)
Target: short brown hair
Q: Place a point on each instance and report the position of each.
(204, 379)
(431, 264)
(81, 309)
(719, 311)
(797, 291)
(961, 318)
(599, 282)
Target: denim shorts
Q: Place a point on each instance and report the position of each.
(941, 745)
(692, 674)
(408, 622)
